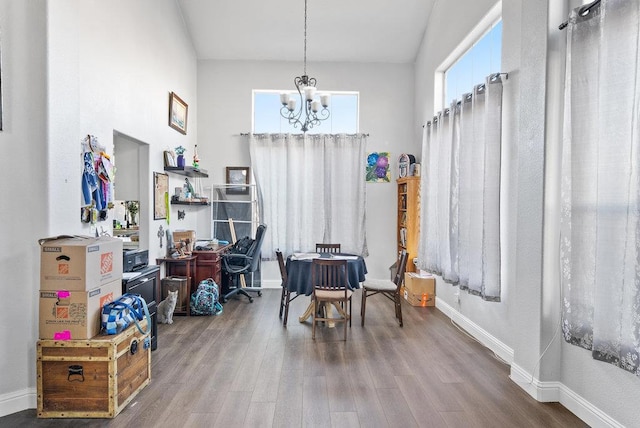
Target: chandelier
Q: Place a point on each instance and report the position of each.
(310, 113)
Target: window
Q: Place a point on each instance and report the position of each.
(343, 118)
(460, 238)
(479, 61)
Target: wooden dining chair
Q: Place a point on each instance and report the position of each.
(330, 286)
(389, 289)
(327, 248)
(285, 297)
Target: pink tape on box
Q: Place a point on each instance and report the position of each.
(62, 335)
(63, 294)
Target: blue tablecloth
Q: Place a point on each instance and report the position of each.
(299, 274)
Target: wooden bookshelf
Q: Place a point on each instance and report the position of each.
(408, 225)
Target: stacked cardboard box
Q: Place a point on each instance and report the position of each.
(186, 236)
(419, 290)
(78, 275)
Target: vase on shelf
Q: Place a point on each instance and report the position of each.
(180, 161)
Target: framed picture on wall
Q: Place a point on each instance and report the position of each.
(178, 111)
(169, 158)
(237, 175)
(160, 195)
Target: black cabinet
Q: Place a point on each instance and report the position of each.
(147, 285)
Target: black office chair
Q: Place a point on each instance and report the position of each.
(236, 264)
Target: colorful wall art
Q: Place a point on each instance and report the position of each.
(378, 167)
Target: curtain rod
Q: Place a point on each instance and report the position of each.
(245, 134)
(584, 11)
(492, 79)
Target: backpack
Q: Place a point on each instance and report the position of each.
(205, 299)
(241, 247)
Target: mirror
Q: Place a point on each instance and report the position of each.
(125, 217)
(132, 184)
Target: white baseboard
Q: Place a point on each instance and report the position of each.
(583, 409)
(18, 401)
(558, 392)
(541, 391)
(546, 392)
(502, 350)
(271, 283)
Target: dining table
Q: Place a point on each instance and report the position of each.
(299, 281)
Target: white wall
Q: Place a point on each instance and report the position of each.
(386, 106)
(23, 178)
(111, 67)
(107, 66)
(525, 321)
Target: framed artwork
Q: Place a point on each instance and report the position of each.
(378, 168)
(169, 158)
(237, 175)
(160, 195)
(178, 110)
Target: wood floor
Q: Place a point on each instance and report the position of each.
(244, 369)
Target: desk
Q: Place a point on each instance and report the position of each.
(209, 264)
(299, 276)
(185, 266)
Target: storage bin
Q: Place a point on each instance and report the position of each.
(179, 283)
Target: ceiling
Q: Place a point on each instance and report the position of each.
(337, 30)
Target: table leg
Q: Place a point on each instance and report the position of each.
(329, 312)
(309, 312)
(340, 310)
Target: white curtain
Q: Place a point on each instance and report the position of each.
(311, 189)
(460, 209)
(600, 216)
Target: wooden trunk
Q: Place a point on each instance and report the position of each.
(92, 378)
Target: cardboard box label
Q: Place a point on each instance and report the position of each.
(107, 298)
(63, 269)
(106, 263)
(62, 312)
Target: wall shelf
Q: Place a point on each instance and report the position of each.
(204, 204)
(188, 171)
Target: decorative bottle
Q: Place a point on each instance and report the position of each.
(196, 159)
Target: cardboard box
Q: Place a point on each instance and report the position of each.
(419, 290)
(79, 263)
(74, 315)
(94, 378)
(185, 235)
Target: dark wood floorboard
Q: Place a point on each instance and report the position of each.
(244, 369)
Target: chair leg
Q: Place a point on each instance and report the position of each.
(350, 310)
(282, 296)
(363, 307)
(399, 308)
(286, 308)
(345, 320)
(237, 291)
